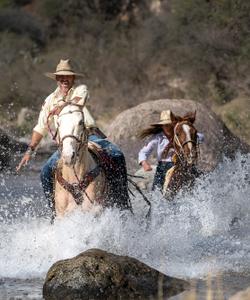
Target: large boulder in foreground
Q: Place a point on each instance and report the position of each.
(219, 140)
(97, 274)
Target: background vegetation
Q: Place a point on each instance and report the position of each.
(130, 51)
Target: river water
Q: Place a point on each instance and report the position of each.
(203, 237)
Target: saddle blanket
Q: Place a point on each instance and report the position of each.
(112, 161)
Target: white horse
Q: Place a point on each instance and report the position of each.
(80, 180)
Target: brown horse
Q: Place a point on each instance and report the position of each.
(82, 178)
(185, 144)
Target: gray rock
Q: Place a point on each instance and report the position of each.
(219, 140)
(97, 274)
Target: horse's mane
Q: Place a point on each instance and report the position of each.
(189, 116)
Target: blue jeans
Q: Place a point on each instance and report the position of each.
(47, 177)
(109, 147)
(160, 174)
(48, 169)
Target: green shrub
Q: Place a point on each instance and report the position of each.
(22, 23)
(13, 3)
(6, 3)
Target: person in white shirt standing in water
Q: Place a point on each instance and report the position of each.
(160, 134)
(66, 91)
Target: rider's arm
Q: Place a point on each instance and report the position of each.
(145, 152)
(82, 95)
(38, 132)
(42, 123)
(35, 140)
(89, 120)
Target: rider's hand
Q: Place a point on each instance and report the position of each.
(24, 161)
(146, 166)
(56, 110)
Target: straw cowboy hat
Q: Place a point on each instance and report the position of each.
(165, 118)
(63, 68)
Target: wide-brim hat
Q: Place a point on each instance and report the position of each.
(64, 68)
(165, 118)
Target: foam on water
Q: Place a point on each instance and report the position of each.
(200, 232)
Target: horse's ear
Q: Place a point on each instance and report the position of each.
(174, 118)
(192, 117)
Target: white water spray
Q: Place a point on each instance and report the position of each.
(201, 232)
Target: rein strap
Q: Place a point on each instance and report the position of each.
(89, 177)
(76, 189)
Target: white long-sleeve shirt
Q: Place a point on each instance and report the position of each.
(159, 142)
(52, 101)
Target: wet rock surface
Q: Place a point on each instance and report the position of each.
(97, 274)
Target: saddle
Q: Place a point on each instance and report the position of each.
(113, 164)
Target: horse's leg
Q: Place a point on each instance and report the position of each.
(64, 202)
(168, 180)
(92, 195)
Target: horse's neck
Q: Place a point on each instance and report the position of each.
(175, 175)
(84, 163)
(183, 175)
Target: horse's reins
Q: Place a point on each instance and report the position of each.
(74, 189)
(53, 113)
(176, 140)
(178, 147)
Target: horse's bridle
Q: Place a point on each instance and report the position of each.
(176, 141)
(80, 140)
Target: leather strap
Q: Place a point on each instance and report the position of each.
(77, 189)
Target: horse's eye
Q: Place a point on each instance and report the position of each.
(80, 122)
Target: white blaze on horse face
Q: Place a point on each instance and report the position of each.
(68, 151)
(66, 129)
(70, 131)
(186, 129)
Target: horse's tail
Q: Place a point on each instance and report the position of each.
(135, 185)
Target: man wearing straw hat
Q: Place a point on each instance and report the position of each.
(66, 90)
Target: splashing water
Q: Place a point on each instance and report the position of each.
(206, 230)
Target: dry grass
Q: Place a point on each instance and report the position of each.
(145, 57)
(236, 115)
